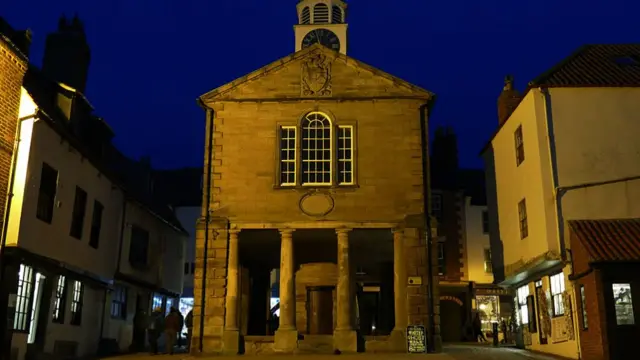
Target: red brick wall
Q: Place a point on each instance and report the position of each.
(450, 226)
(12, 69)
(594, 339)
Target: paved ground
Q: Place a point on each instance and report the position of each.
(451, 352)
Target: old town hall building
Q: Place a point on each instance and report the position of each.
(314, 165)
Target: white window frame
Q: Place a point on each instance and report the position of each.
(342, 140)
(302, 149)
(557, 286)
(522, 294)
(294, 161)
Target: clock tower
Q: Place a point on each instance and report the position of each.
(322, 21)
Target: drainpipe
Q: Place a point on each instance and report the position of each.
(207, 216)
(5, 333)
(434, 341)
(551, 145)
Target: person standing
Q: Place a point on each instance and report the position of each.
(171, 329)
(181, 318)
(189, 323)
(156, 325)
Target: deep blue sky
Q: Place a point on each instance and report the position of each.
(152, 58)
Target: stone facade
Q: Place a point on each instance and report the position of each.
(248, 206)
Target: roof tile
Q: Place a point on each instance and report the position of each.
(609, 240)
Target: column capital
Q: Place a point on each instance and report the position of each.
(343, 231)
(234, 231)
(286, 231)
(397, 230)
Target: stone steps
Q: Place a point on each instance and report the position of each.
(316, 344)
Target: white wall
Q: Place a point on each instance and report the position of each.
(188, 216)
(477, 241)
(53, 240)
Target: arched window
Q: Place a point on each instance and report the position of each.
(305, 17)
(321, 14)
(316, 149)
(336, 15)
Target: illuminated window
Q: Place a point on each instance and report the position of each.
(305, 17)
(76, 303)
(519, 145)
(345, 155)
(157, 302)
(311, 156)
(287, 155)
(557, 293)
(316, 149)
(583, 302)
(522, 219)
(119, 303)
(522, 294)
(488, 265)
(60, 304)
(623, 304)
(23, 299)
(320, 14)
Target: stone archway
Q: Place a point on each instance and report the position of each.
(451, 315)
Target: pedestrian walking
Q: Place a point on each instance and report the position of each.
(171, 329)
(505, 336)
(477, 329)
(189, 323)
(155, 328)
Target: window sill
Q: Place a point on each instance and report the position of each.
(316, 187)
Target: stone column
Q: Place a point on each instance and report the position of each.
(344, 337)
(231, 336)
(286, 338)
(398, 335)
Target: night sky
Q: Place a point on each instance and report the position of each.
(152, 58)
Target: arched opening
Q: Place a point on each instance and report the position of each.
(316, 149)
(321, 14)
(305, 16)
(336, 15)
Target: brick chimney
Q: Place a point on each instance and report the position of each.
(508, 100)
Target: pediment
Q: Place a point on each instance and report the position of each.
(315, 73)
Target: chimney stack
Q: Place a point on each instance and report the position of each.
(508, 100)
(67, 54)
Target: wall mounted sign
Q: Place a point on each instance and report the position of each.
(416, 339)
(414, 280)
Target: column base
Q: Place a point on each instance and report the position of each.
(286, 341)
(345, 340)
(231, 342)
(398, 340)
(437, 343)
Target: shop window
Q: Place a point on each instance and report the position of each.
(623, 304)
(583, 307)
(489, 310)
(60, 303)
(119, 303)
(23, 300)
(557, 293)
(523, 292)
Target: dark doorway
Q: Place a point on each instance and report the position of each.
(451, 320)
(368, 305)
(320, 313)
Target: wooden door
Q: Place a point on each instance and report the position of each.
(320, 313)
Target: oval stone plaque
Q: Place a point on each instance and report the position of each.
(316, 204)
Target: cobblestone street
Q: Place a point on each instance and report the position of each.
(463, 352)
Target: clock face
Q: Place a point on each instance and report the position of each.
(322, 36)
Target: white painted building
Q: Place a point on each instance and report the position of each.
(85, 246)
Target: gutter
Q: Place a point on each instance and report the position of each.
(426, 197)
(551, 141)
(207, 217)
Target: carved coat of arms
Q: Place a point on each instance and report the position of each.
(316, 76)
